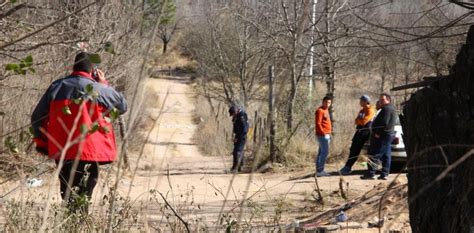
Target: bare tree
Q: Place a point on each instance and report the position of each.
(230, 51)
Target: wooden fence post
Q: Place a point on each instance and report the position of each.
(255, 119)
(1, 131)
(271, 114)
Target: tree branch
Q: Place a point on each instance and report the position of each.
(46, 27)
(186, 224)
(11, 11)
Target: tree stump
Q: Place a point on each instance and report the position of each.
(438, 126)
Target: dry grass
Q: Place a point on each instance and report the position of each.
(214, 134)
(215, 129)
(172, 58)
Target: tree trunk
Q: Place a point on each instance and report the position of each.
(384, 73)
(293, 90)
(165, 46)
(438, 126)
(291, 105)
(271, 114)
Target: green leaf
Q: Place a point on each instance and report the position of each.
(66, 110)
(13, 1)
(104, 129)
(94, 127)
(11, 144)
(84, 129)
(109, 47)
(77, 101)
(89, 88)
(14, 149)
(95, 58)
(114, 114)
(94, 95)
(24, 135)
(31, 130)
(32, 70)
(108, 120)
(11, 67)
(28, 60)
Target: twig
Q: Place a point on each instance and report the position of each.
(46, 27)
(12, 10)
(186, 224)
(318, 190)
(341, 188)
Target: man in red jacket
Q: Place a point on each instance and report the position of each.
(72, 125)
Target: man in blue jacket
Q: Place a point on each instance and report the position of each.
(74, 128)
(240, 129)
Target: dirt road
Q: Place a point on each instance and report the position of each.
(170, 150)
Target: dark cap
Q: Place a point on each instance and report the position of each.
(233, 110)
(82, 62)
(365, 98)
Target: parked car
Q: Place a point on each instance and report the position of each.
(399, 154)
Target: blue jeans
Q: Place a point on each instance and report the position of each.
(322, 152)
(238, 154)
(382, 151)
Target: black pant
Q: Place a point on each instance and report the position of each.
(358, 141)
(238, 154)
(77, 182)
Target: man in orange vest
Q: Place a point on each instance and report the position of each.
(363, 122)
(323, 127)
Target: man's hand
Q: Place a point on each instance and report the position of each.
(101, 76)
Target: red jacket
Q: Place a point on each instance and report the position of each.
(61, 117)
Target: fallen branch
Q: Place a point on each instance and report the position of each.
(186, 224)
(318, 190)
(341, 188)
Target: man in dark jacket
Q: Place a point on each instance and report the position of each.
(381, 139)
(72, 124)
(240, 129)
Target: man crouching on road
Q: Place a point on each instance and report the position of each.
(240, 129)
(72, 125)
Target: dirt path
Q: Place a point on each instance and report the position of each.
(196, 185)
